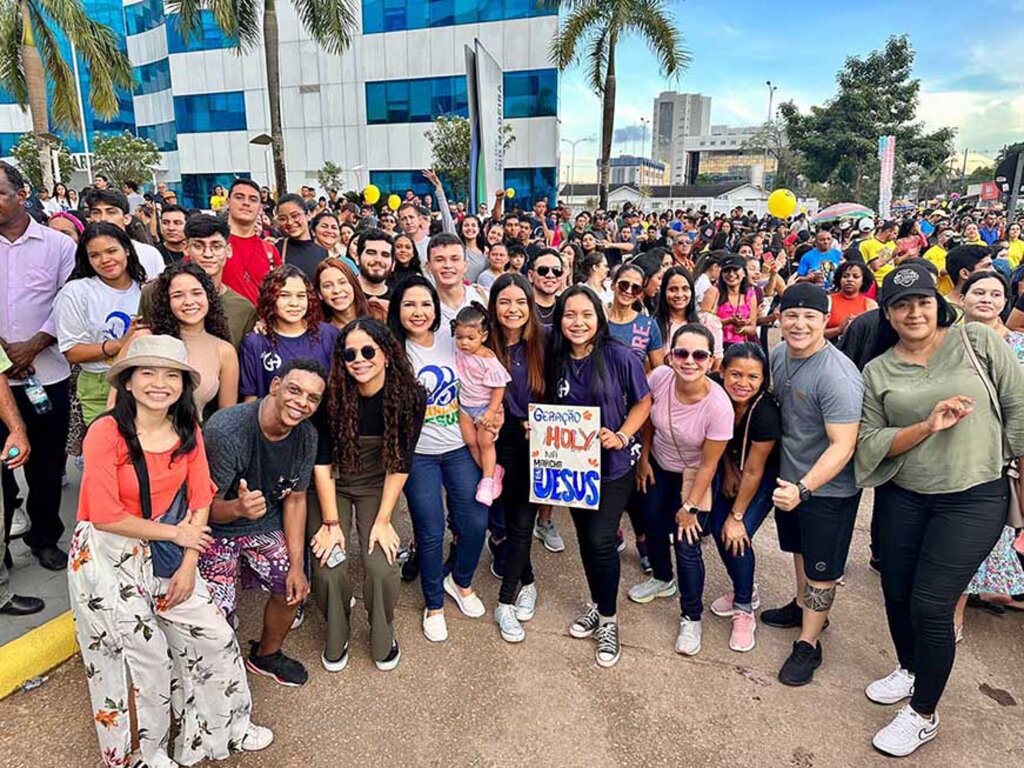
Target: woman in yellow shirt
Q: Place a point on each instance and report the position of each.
(1014, 246)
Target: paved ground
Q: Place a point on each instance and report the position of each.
(477, 701)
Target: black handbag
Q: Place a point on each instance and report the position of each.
(166, 555)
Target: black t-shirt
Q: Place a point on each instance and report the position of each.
(858, 343)
(761, 423)
(546, 315)
(304, 254)
(170, 257)
(370, 423)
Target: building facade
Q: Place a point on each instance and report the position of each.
(203, 102)
(638, 171)
(721, 155)
(676, 116)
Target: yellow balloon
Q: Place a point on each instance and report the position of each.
(510, 193)
(394, 201)
(371, 194)
(781, 203)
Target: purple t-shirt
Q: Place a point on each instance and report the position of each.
(260, 361)
(622, 386)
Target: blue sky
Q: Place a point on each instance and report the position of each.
(968, 61)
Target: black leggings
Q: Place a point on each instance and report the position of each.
(596, 531)
(513, 449)
(931, 546)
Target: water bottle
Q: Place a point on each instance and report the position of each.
(36, 395)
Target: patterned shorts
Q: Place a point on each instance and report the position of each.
(262, 559)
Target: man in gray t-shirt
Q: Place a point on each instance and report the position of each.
(820, 393)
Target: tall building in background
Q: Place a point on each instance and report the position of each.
(676, 116)
(203, 103)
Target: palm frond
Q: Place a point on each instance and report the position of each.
(64, 112)
(241, 20)
(187, 15)
(331, 23)
(12, 76)
(575, 32)
(651, 20)
(597, 62)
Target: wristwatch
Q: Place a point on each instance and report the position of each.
(690, 509)
(737, 516)
(805, 492)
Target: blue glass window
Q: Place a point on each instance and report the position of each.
(208, 35)
(531, 184)
(210, 112)
(7, 142)
(396, 182)
(396, 15)
(164, 135)
(530, 93)
(153, 77)
(196, 188)
(6, 98)
(140, 17)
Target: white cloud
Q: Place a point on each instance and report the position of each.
(985, 121)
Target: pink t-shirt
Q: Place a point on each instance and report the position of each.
(710, 419)
(727, 310)
(477, 377)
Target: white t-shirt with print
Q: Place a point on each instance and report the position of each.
(88, 311)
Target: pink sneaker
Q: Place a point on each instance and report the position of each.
(499, 474)
(742, 637)
(485, 491)
(723, 605)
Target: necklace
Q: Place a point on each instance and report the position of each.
(578, 365)
(790, 374)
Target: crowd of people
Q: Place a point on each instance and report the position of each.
(246, 390)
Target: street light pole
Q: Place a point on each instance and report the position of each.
(572, 162)
(768, 127)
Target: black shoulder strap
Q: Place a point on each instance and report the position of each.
(145, 497)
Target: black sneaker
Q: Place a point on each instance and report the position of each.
(390, 661)
(411, 567)
(788, 616)
(799, 667)
(875, 565)
(276, 666)
(499, 549)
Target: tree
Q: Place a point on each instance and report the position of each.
(590, 33)
(837, 143)
(450, 145)
(331, 24)
(329, 177)
(26, 152)
(1009, 149)
(30, 56)
(770, 140)
(125, 157)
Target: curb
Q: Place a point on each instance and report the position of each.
(36, 652)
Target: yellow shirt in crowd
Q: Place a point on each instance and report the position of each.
(937, 256)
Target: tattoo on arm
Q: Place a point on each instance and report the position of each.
(819, 599)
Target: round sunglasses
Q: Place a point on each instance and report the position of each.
(352, 353)
(625, 286)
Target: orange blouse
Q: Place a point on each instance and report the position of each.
(110, 489)
(843, 308)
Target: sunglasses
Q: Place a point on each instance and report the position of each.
(550, 271)
(351, 354)
(698, 355)
(627, 287)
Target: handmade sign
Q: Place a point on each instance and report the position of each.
(565, 455)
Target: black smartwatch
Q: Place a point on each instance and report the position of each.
(805, 492)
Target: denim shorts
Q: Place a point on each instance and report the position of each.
(473, 411)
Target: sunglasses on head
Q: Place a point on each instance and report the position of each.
(627, 287)
(552, 271)
(352, 353)
(698, 355)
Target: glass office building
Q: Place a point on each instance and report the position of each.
(202, 101)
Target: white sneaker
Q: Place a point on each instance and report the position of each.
(905, 733)
(300, 616)
(526, 602)
(20, 523)
(511, 630)
(894, 687)
(434, 627)
(688, 640)
(470, 604)
(256, 738)
(548, 536)
(650, 589)
(335, 666)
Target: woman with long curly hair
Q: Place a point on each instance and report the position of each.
(407, 260)
(341, 297)
(186, 305)
(373, 396)
(290, 327)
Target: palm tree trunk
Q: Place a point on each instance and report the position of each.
(35, 79)
(607, 126)
(273, 63)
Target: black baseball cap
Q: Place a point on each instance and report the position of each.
(906, 280)
(804, 296)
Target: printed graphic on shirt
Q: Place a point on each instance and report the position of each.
(271, 361)
(442, 387)
(116, 325)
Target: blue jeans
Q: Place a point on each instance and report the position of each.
(458, 475)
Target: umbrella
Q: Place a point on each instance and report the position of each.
(842, 211)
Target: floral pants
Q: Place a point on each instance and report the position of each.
(183, 662)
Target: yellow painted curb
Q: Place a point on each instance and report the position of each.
(36, 652)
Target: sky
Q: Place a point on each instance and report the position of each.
(968, 62)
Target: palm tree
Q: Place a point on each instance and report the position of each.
(331, 23)
(591, 31)
(30, 54)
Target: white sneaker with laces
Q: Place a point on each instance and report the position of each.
(20, 523)
(470, 605)
(548, 535)
(906, 733)
(688, 640)
(256, 738)
(894, 687)
(511, 630)
(651, 589)
(526, 602)
(434, 627)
